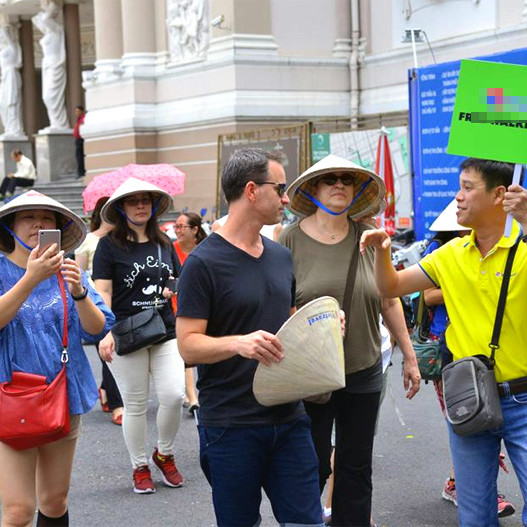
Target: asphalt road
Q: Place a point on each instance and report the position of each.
(411, 462)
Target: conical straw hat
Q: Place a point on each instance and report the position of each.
(133, 186)
(373, 189)
(73, 228)
(447, 220)
(313, 360)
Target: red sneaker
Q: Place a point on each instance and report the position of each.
(171, 475)
(449, 491)
(143, 483)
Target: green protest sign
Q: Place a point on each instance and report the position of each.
(490, 112)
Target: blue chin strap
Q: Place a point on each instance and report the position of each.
(333, 213)
(23, 244)
(123, 213)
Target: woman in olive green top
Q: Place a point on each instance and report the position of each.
(326, 197)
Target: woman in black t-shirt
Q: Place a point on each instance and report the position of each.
(129, 276)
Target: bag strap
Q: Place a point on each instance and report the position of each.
(180, 257)
(494, 343)
(420, 310)
(352, 272)
(159, 263)
(62, 287)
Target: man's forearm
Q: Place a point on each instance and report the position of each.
(385, 273)
(196, 348)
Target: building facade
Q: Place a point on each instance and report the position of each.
(162, 79)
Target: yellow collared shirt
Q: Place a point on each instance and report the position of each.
(471, 286)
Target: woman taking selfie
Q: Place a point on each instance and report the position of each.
(31, 336)
(131, 268)
(189, 234)
(326, 260)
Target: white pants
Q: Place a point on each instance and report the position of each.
(132, 374)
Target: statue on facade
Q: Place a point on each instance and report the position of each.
(188, 28)
(53, 64)
(11, 83)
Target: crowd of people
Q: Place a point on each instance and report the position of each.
(221, 299)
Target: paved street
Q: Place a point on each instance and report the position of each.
(411, 463)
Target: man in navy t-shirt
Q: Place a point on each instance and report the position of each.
(235, 291)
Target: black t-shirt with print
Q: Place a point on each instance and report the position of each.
(237, 294)
(134, 273)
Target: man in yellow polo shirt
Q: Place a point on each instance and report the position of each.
(469, 272)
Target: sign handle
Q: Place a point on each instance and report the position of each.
(516, 177)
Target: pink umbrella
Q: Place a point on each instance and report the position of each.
(166, 177)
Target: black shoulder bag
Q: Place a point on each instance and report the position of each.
(144, 328)
(469, 385)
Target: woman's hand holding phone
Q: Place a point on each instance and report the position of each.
(47, 264)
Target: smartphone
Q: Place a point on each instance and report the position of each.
(47, 238)
(171, 284)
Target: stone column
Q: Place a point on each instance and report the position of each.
(30, 95)
(30, 91)
(74, 92)
(139, 40)
(108, 37)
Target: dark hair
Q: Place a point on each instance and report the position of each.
(194, 220)
(7, 240)
(96, 219)
(79, 107)
(246, 164)
(121, 233)
(493, 173)
(16, 152)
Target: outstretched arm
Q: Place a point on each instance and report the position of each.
(392, 283)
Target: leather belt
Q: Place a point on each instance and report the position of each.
(513, 387)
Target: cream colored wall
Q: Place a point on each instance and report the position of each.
(456, 30)
(252, 16)
(380, 33)
(304, 27)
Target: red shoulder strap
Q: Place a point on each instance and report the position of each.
(65, 323)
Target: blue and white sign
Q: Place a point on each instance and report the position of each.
(436, 173)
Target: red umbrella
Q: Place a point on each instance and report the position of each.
(384, 169)
(166, 177)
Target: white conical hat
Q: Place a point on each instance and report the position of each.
(447, 220)
(313, 360)
(73, 229)
(368, 201)
(133, 186)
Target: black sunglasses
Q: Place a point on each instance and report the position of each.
(330, 180)
(279, 187)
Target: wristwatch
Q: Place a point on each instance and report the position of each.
(82, 296)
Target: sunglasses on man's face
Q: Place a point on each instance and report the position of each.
(279, 187)
(330, 180)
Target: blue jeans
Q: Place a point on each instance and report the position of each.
(476, 463)
(281, 459)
